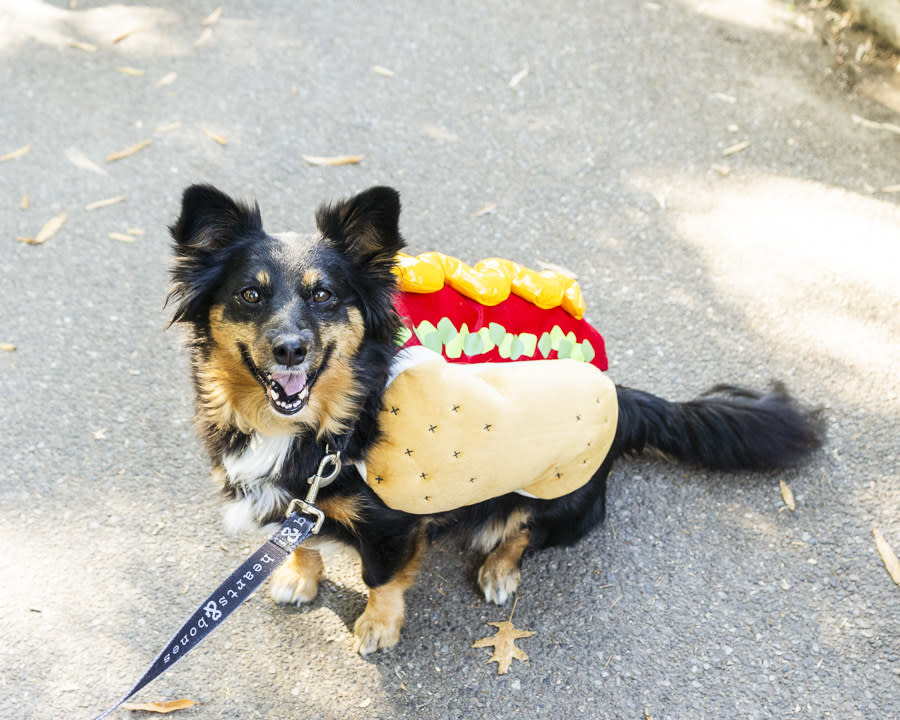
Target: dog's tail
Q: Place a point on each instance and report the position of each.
(726, 428)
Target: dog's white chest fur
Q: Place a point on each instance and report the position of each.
(252, 471)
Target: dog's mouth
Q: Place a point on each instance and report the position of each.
(287, 390)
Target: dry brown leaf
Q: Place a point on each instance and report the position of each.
(78, 45)
(204, 36)
(164, 707)
(45, 233)
(213, 136)
(122, 237)
(504, 644)
(50, 228)
(127, 152)
(126, 70)
(16, 153)
(97, 204)
(169, 127)
(7, 347)
(787, 496)
(120, 37)
(167, 79)
(519, 76)
(486, 210)
(80, 160)
(333, 160)
(888, 556)
(872, 125)
(734, 149)
(213, 17)
(25, 202)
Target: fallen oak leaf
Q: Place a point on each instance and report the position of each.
(164, 707)
(504, 644)
(332, 161)
(888, 556)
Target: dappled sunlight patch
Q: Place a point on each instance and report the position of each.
(757, 14)
(813, 267)
(138, 28)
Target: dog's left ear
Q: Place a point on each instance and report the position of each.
(365, 227)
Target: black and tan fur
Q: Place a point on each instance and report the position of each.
(314, 314)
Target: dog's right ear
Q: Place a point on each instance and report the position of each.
(365, 227)
(210, 227)
(211, 220)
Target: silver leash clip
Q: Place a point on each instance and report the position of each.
(328, 470)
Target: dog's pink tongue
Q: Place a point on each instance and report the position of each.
(291, 383)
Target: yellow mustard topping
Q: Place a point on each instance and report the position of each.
(490, 281)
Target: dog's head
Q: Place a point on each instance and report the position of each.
(278, 322)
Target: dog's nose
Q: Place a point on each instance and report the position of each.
(290, 349)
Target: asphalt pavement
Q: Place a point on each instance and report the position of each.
(726, 191)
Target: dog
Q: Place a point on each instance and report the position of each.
(292, 346)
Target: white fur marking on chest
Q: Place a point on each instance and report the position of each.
(252, 471)
(259, 461)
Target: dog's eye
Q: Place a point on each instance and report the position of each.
(321, 295)
(251, 295)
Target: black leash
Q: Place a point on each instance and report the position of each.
(303, 519)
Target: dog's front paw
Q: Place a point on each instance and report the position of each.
(297, 580)
(373, 631)
(498, 580)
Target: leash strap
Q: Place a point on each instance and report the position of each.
(226, 598)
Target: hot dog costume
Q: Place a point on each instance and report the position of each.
(461, 422)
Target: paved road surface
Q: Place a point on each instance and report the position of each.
(601, 134)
